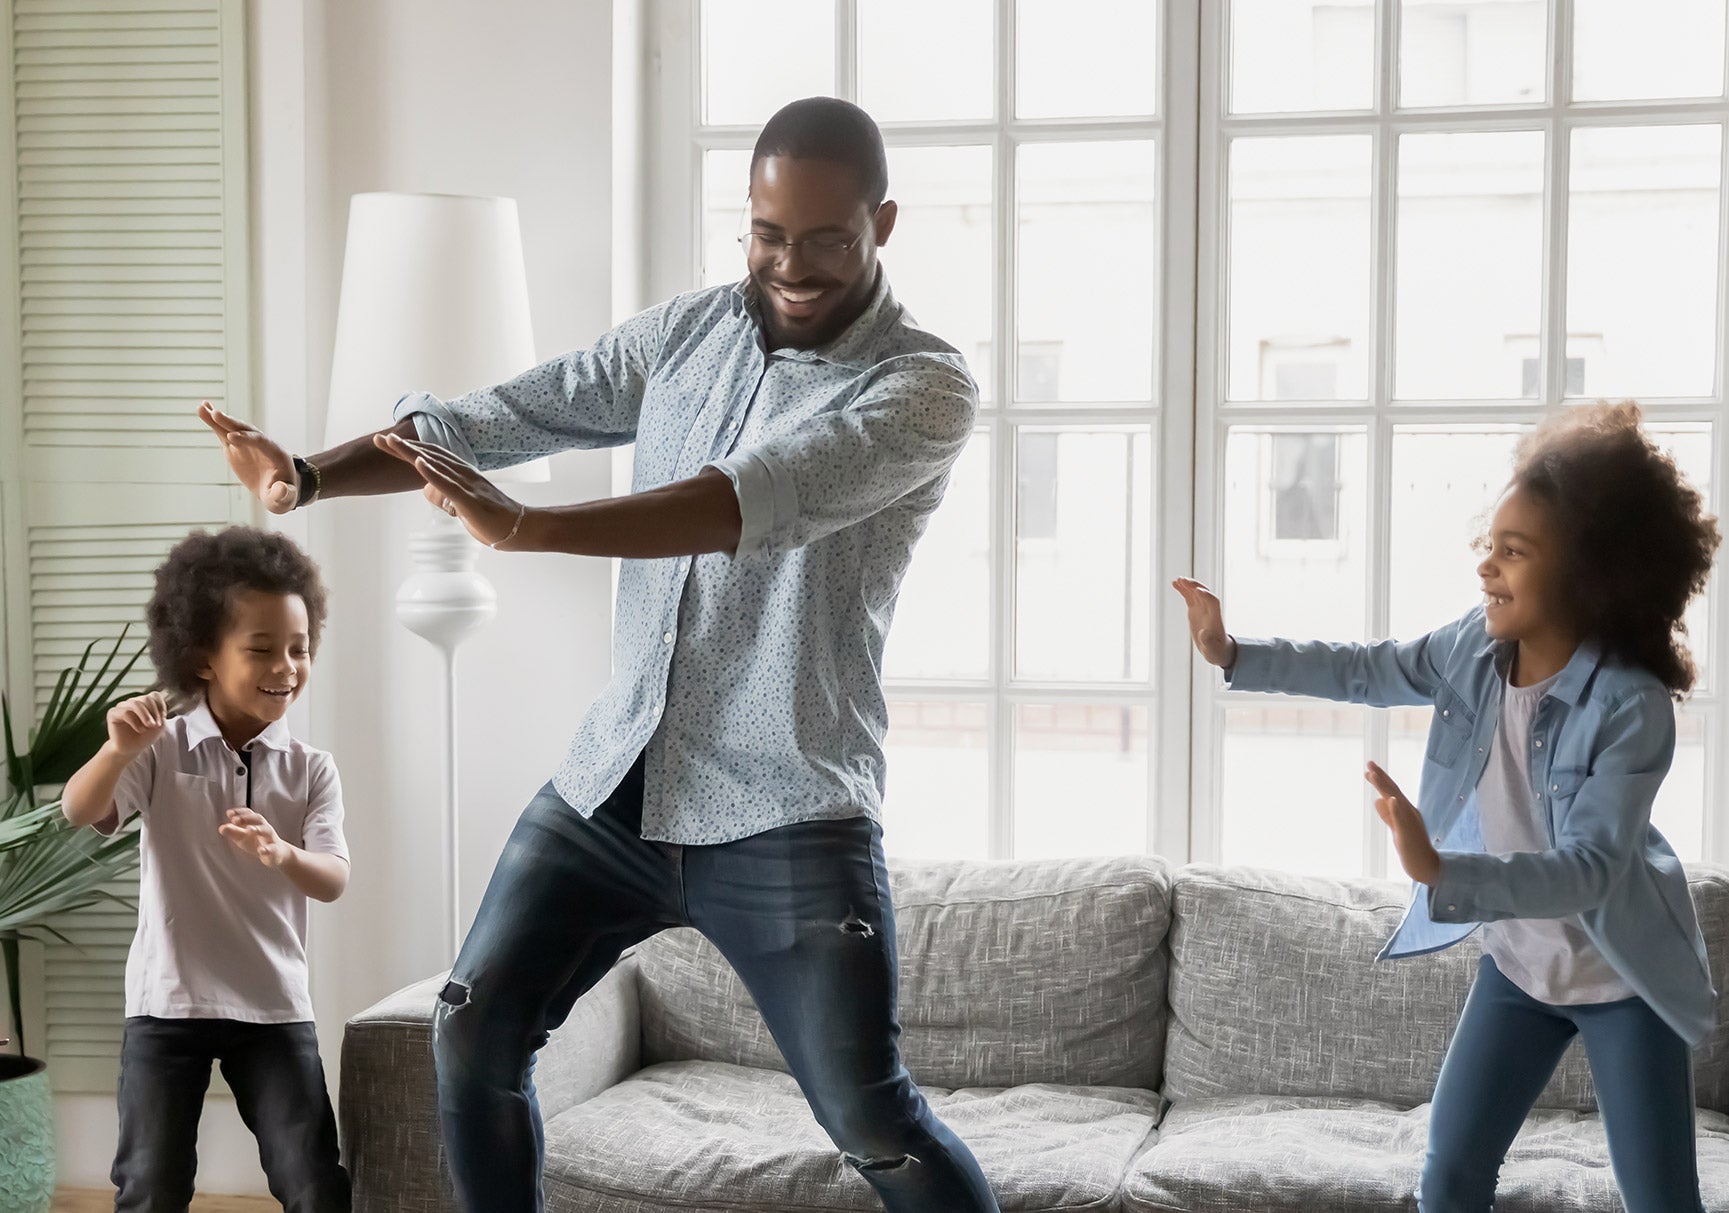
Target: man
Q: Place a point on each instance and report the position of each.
(793, 434)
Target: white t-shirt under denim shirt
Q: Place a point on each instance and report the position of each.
(220, 935)
(1551, 959)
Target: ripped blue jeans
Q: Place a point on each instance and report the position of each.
(802, 913)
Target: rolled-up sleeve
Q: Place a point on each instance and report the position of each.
(902, 432)
(584, 399)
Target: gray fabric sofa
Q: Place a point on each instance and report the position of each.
(1111, 1034)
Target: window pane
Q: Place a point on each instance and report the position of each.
(942, 71)
(1086, 58)
(739, 35)
(725, 197)
(1642, 259)
(1299, 268)
(939, 259)
(1445, 485)
(1295, 519)
(1292, 786)
(1302, 55)
(1472, 52)
(937, 804)
(1470, 264)
(1082, 553)
(1088, 272)
(942, 621)
(1622, 50)
(1081, 774)
(1679, 811)
(1691, 447)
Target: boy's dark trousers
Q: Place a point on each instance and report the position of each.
(278, 1084)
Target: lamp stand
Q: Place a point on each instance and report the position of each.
(446, 600)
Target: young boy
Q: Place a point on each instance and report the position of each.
(242, 823)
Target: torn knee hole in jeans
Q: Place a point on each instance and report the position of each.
(852, 924)
(881, 1164)
(454, 994)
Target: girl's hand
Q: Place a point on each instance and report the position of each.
(134, 723)
(1207, 623)
(257, 462)
(253, 835)
(1417, 855)
(457, 488)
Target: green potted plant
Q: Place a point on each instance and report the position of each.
(48, 868)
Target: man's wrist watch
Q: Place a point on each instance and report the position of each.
(307, 479)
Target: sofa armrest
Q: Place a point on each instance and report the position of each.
(389, 1098)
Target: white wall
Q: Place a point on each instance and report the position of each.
(516, 98)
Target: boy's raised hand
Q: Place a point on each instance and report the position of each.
(252, 834)
(1417, 855)
(256, 461)
(134, 723)
(1207, 623)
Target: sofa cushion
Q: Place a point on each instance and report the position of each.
(1288, 1155)
(707, 1135)
(1010, 973)
(1275, 990)
(1709, 884)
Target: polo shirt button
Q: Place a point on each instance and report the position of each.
(666, 638)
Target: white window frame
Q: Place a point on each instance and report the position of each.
(1557, 117)
(1184, 698)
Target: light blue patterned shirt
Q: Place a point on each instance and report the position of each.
(753, 681)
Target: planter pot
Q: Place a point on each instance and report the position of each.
(26, 1136)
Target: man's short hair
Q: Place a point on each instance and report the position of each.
(827, 128)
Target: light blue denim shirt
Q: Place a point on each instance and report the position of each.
(752, 680)
(1601, 744)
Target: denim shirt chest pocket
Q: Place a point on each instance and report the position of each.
(1451, 730)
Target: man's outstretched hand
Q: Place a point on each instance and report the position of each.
(258, 463)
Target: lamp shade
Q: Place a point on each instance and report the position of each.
(434, 298)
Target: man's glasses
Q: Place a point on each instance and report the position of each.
(823, 253)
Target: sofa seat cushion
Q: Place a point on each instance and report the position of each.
(710, 1135)
(1279, 1154)
(1026, 971)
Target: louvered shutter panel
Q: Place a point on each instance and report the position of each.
(126, 303)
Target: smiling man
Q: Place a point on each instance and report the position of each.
(793, 434)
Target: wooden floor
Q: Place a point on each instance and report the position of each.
(68, 1200)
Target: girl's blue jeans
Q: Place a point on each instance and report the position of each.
(1505, 1050)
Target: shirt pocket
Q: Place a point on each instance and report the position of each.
(1450, 731)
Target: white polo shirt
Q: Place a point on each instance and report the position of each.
(221, 936)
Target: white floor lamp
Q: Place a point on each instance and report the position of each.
(434, 298)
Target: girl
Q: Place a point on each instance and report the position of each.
(1553, 729)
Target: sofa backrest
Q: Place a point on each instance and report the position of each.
(1275, 990)
(1012, 972)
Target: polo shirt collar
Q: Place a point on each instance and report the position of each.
(201, 726)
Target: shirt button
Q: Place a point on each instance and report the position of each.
(666, 638)
(1461, 800)
(1446, 712)
(1452, 907)
(240, 770)
(1437, 840)
(1539, 743)
(1554, 787)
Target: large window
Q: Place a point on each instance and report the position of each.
(1265, 290)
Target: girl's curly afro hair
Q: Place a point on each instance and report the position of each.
(1636, 542)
